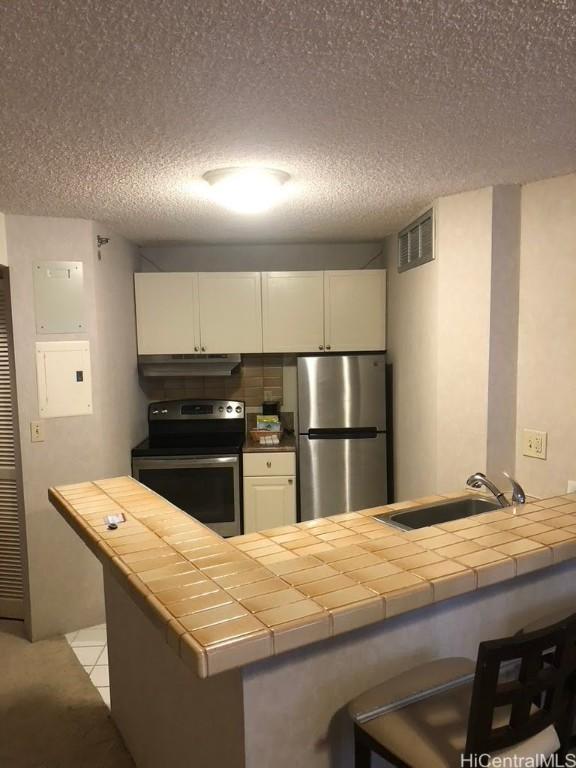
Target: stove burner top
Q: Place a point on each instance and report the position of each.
(194, 428)
(186, 449)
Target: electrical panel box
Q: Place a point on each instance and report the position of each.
(64, 378)
(59, 297)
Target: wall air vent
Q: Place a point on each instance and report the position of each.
(416, 242)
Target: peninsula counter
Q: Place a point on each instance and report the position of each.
(243, 652)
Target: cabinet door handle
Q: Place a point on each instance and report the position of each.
(328, 346)
(203, 349)
(290, 481)
(269, 464)
(320, 346)
(195, 349)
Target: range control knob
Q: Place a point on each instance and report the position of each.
(220, 408)
(238, 409)
(155, 412)
(164, 410)
(229, 409)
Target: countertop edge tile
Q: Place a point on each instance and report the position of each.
(193, 655)
(154, 524)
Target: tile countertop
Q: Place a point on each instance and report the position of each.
(226, 603)
(286, 445)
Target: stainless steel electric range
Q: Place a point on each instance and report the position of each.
(193, 457)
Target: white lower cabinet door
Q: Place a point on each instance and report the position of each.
(269, 502)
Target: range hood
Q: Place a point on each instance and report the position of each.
(187, 365)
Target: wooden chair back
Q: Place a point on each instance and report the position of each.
(542, 691)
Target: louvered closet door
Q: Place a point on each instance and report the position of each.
(11, 560)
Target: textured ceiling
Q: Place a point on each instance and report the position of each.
(113, 109)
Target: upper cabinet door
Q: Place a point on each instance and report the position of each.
(167, 312)
(293, 311)
(355, 310)
(230, 312)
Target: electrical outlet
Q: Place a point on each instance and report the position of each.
(571, 486)
(534, 443)
(37, 431)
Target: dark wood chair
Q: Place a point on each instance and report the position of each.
(517, 699)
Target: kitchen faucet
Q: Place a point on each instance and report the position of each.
(478, 480)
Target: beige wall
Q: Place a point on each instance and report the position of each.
(438, 343)
(261, 257)
(412, 348)
(503, 354)
(122, 402)
(452, 341)
(65, 579)
(463, 244)
(3, 247)
(547, 332)
(483, 341)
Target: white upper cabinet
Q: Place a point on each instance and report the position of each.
(243, 312)
(230, 312)
(293, 311)
(167, 312)
(355, 310)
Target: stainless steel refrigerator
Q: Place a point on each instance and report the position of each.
(342, 434)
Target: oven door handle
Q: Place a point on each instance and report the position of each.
(166, 462)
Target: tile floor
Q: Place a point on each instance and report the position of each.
(91, 650)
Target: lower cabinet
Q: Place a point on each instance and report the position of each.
(269, 502)
(269, 499)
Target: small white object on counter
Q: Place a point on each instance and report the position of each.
(115, 519)
(269, 440)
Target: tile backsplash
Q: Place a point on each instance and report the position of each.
(256, 375)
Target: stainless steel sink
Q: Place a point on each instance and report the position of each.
(441, 512)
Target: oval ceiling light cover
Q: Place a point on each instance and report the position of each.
(247, 190)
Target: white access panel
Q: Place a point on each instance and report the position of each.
(59, 297)
(64, 378)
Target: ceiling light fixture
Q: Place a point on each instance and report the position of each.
(247, 190)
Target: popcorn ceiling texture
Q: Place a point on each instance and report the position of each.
(112, 110)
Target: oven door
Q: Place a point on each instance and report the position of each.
(205, 487)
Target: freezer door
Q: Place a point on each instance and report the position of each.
(341, 475)
(342, 391)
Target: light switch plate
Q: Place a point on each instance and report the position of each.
(37, 431)
(534, 443)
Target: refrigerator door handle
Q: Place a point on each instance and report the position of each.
(343, 434)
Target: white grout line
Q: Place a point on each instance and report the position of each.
(104, 691)
(102, 659)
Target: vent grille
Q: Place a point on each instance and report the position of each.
(7, 447)
(11, 565)
(11, 581)
(416, 243)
